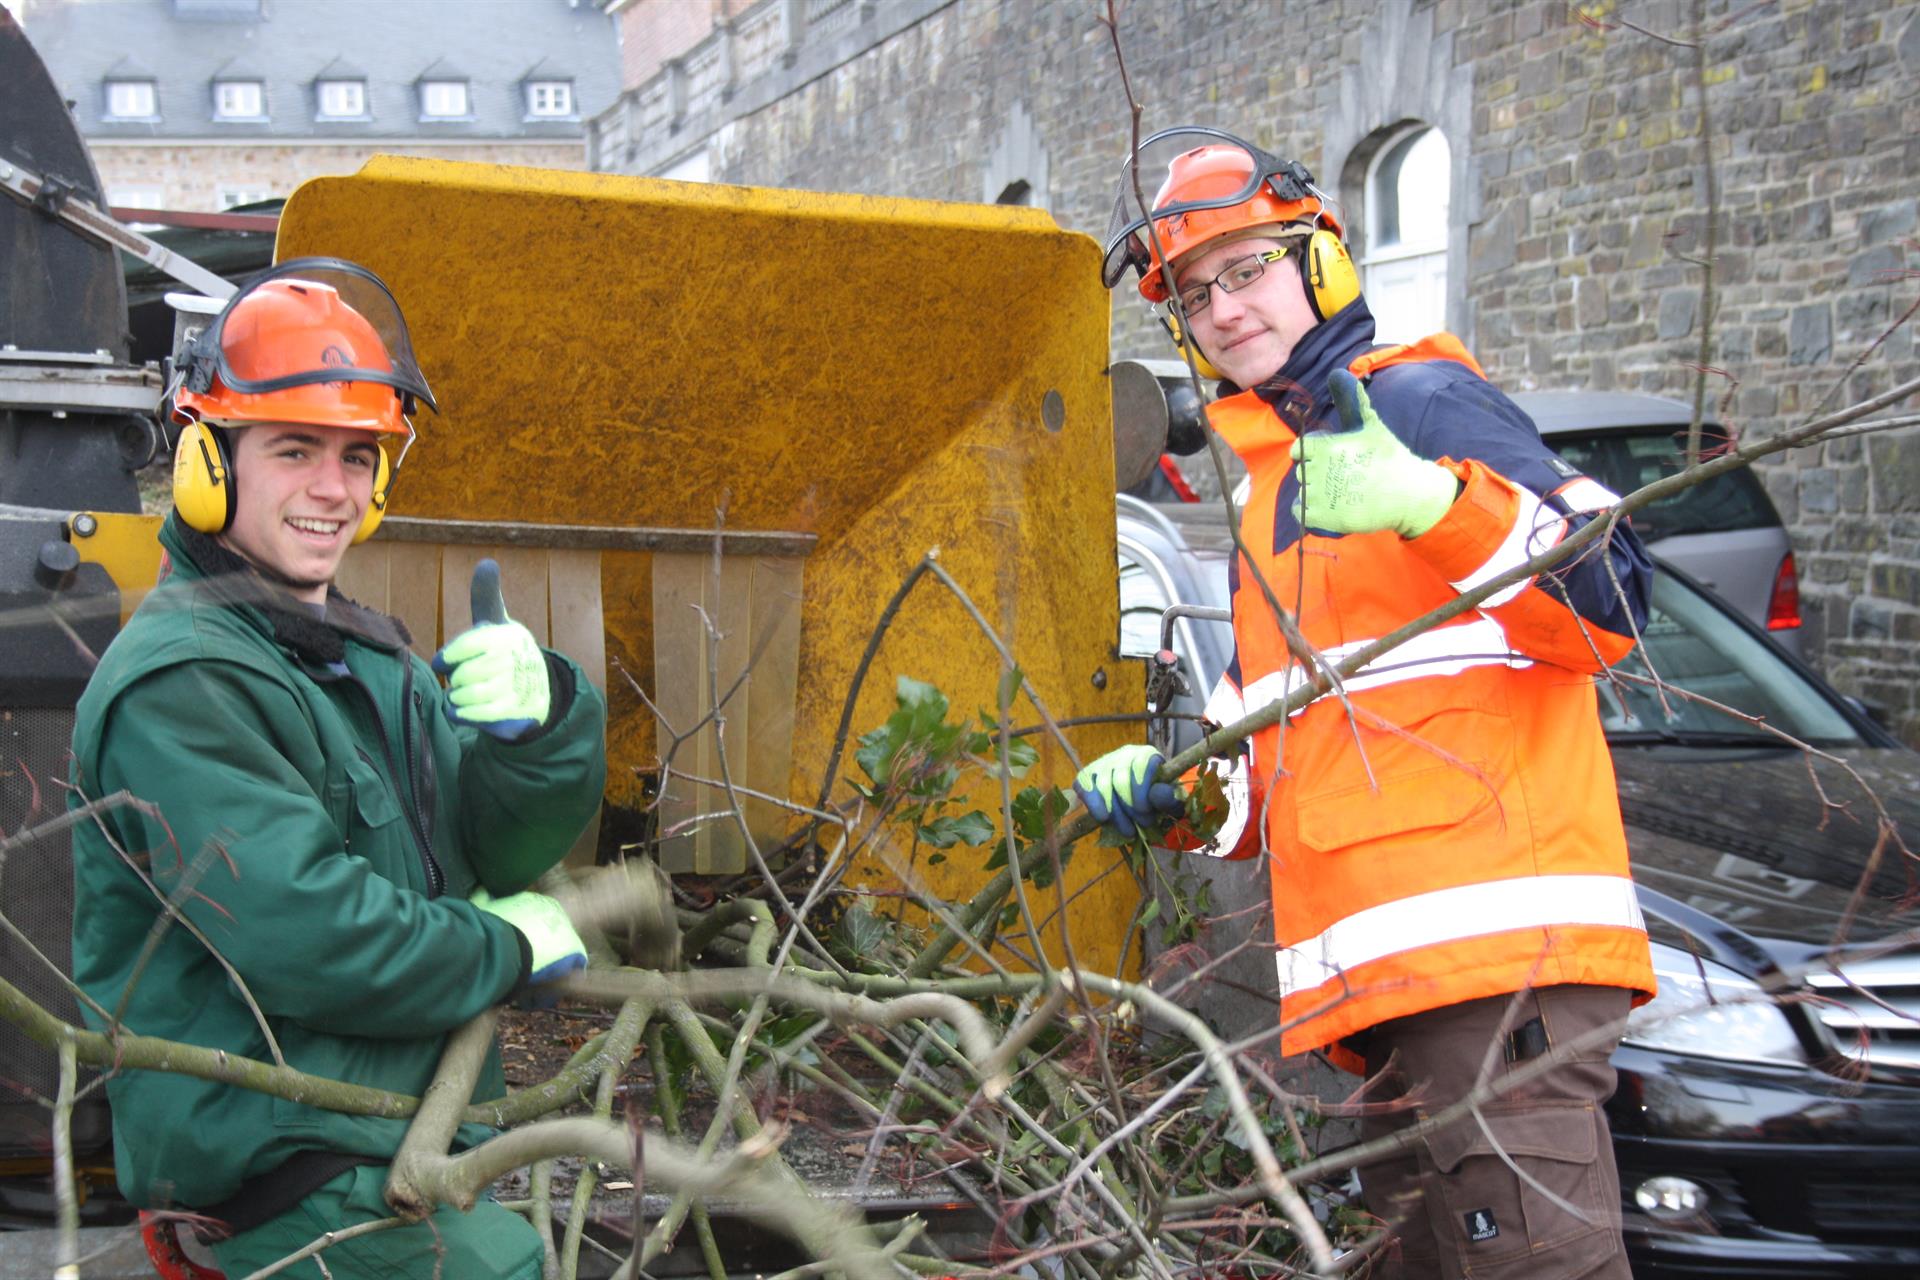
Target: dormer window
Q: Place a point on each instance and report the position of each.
(444, 100)
(549, 99)
(132, 100)
(340, 99)
(239, 100)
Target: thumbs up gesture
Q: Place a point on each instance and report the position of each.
(1362, 479)
(496, 674)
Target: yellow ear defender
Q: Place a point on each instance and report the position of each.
(377, 504)
(203, 479)
(1201, 365)
(203, 490)
(1332, 282)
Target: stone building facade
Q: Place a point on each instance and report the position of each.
(1576, 191)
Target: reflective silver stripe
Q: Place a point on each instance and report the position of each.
(1585, 496)
(1536, 527)
(1443, 651)
(1224, 706)
(1453, 915)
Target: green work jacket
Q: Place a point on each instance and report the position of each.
(319, 824)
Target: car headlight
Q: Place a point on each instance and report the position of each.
(1707, 1010)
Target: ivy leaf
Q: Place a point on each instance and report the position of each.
(973, 828)
(864, 933)
(876, 751)
(1035, 810)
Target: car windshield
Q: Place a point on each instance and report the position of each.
(1627, 460)
(1699, 653)
(1696, 649)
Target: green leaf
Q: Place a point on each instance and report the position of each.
(973, 828)
(935, 859)
(1150, 914)
(1010, 681)
(864, 933)
(1035, 810)
(877, 749)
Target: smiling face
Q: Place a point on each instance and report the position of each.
(300, 493)
(1248, 334)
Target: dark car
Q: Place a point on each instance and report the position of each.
(1767, 1121)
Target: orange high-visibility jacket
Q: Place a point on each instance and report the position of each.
(1456, 834)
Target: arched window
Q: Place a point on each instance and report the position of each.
(1404, 270)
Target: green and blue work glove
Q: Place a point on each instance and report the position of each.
(555, 946)
(1120, 790)
(496, 674)
(1363, 479)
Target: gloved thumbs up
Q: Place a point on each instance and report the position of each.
(1363, 479)
(483, 596)
(496, 674)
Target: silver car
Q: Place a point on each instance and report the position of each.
(1725, 532)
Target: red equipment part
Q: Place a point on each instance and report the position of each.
(160, 1232)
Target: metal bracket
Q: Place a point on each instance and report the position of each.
(55, 198)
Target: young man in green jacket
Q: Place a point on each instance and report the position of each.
(349, 845)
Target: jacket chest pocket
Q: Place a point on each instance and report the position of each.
(366, 811)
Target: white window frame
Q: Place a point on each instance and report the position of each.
(550, 100)
(1406, 282)
(433, 103)
(146, 93)
(233, 98)
(355, 109)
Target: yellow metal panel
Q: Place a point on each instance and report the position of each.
(126, 546)
(892, 375)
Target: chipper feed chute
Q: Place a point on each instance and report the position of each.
(720, 425)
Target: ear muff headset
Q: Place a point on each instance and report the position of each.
(1327, 270)
(203, 489)
(1201, 365)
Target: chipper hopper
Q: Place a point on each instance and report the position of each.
(708, 431)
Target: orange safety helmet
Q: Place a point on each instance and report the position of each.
(1216, 185)
(314, 340)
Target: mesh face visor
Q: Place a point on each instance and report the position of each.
(304, 322)
(1182, 172)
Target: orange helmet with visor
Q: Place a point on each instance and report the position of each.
(1215, 185)
(312, 340)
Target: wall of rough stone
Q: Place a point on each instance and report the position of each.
(1578, 199)
(191, 175)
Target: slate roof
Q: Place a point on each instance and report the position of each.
(184, 45)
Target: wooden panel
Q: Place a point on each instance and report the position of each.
(413, 593)
(362, 577)
(744, 651)
(573, 604)
(578, 629)
(680, 675)
(523, 585)
(770, 693)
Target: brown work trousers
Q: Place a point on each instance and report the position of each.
(1456, 1209)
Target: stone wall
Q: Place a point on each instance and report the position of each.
(1577, 198)
(190, 175)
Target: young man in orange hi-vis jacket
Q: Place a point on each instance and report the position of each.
(1448, 865)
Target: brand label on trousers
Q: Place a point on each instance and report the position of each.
(1480, 1225)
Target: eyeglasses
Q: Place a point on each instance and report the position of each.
(1238, 274)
